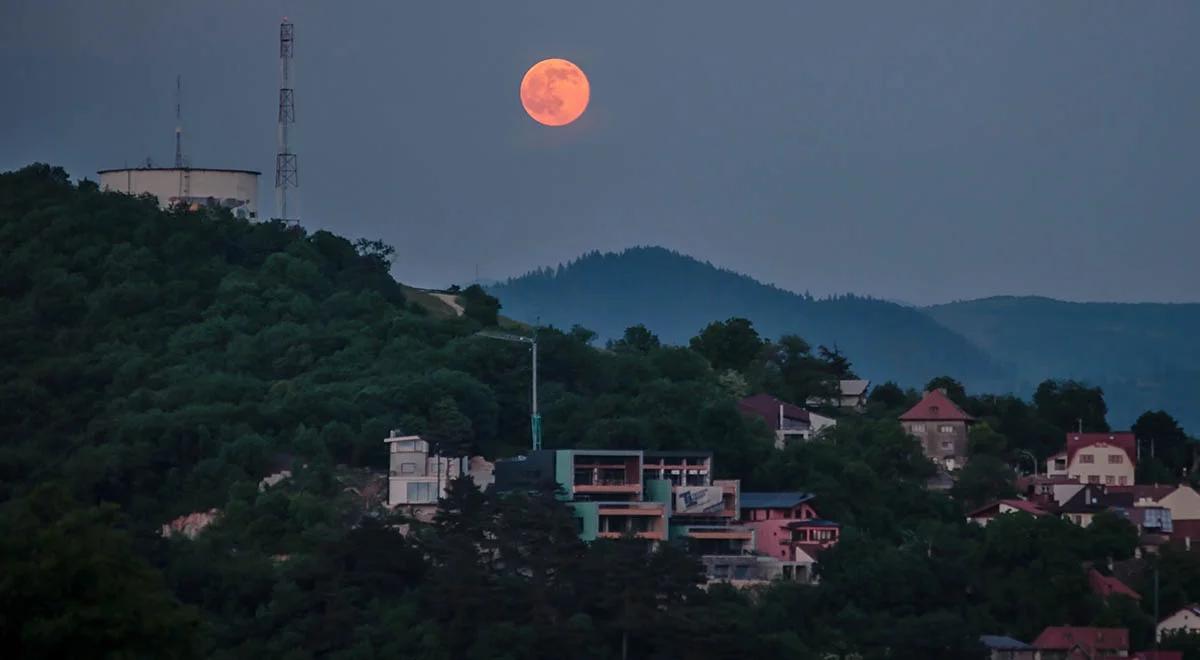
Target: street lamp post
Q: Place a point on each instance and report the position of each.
(535, 420)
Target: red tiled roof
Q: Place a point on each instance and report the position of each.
(1105, 586)
(1125, 440)
(936, 407)
(1090, 640)
(1019, 505)
(767, 407)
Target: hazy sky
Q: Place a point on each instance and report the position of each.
(920, 151)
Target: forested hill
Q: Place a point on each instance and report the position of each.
(155, 364)
(1143, 355)
(675, 296)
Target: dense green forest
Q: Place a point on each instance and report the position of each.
(1143, 355)
(159, 363)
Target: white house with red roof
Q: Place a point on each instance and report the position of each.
(1097, 458)
(941, 426)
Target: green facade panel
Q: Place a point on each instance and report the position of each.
(589, 517)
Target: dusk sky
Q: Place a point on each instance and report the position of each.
(916, 151)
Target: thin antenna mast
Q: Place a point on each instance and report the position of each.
(178, 121)
(286, 175)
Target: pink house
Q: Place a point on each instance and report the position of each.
(786, 527)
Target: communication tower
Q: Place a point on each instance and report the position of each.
(286, 175)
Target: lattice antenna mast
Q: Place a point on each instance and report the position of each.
(178, 122)
(286, 175)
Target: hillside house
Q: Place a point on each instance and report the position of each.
(1096, 458)
(1183, 503)
(1048, 492)
(788, 529)
(1000, 647)
(941, 427)
(789, 422)
(1091, 500)
(851, 396)
(1186, 619)
(1078, 643)
(985, 514)
(657, 496)
(417, 480)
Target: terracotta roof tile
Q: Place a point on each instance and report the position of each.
(935, 406)
(1090, 640)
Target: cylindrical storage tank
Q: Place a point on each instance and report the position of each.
(236, 190)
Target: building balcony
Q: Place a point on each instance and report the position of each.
(652, 535)
(644, 520)
(721, 534)
(615, 487)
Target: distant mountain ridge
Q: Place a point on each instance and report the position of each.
(675, 296)
(1144, 355)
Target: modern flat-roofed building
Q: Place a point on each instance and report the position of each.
(657, 496)
(417, 480)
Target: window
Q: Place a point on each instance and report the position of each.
(1116, 459)
(918, 428)
(1123, 480)
(947, 444)
(1060, 464)
(1093, 479)
(408, 468)
(1087, 458)
(1109, 479)
(420, 493)
(946, 428)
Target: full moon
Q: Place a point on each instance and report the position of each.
(555, 92)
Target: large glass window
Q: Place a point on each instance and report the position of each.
(421, 493)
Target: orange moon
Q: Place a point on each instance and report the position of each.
(555, 92)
